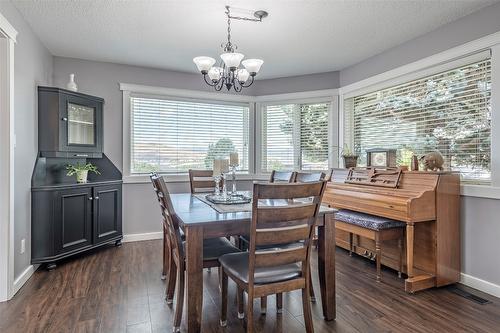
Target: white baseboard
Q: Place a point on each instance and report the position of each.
(23, 278)
(481, 285)
(142, 237)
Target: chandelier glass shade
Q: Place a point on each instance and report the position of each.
(228, 73)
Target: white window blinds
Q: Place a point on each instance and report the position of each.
(449, 112)
(294, 137)
(172, 136)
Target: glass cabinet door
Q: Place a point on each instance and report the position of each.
(81, 125)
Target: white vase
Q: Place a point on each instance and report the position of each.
(71, 84)
(81, 176)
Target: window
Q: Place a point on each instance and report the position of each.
(449, 112)
(294, 137)
(172, 136)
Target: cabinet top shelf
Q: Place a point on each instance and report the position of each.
(69, 92)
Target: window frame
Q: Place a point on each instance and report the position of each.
(431, 65)
(130, 90)
(254, 102)
(333, 123)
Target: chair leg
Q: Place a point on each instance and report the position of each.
(171, 281)
(223, 310)
(263, 304)
(400, 249)
(350, 244)
(308, 322)
(250, 313)
(311, 288)
(279, 303)
(165, 256)
(240, 300)
(180, 301)
(378, 258)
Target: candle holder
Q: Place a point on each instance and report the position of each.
(224, 187)
(233, 178)
(217, 179)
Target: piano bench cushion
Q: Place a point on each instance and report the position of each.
(366, 220)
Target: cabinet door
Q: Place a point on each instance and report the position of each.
(73, 219)
(107, 212)
(81, 125)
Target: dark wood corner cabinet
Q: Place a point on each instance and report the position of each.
(69, 123)
(69, 218)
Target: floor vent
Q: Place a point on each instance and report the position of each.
(468, 295)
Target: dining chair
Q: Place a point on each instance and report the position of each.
(279, 214)
(213, 248)
(201, 181)
(329, 175)
(166, 246)
(278, 176)
(282, 176)
(306, 177)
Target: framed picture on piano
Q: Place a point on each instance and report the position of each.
(380, 157)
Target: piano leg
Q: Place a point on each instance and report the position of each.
(378, 256)
(409, 248)
(400, 249)
(350, 244)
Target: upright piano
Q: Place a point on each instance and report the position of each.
(429, 204)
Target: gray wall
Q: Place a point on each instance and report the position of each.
(283, 85)
(481, 23)
(32, 67)
(479, 217)
(101, 79)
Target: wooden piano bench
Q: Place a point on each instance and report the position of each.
(373, 227)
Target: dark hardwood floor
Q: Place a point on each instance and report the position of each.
(119, 290)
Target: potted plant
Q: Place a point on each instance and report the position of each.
(350, 158)
(81, 171)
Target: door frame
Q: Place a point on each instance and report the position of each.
(7, 143)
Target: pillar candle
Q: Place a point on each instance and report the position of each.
(224, 165)
(233, 159)
(217, 167)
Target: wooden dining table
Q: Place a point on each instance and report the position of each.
(200, 221)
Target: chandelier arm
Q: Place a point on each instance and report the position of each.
(249, 84)
(237, 85)
(208, 82)
(220, 83)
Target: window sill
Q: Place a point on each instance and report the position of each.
(184, 178)
(480, 191)
(476, 191)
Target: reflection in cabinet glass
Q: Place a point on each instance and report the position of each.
(81, 124)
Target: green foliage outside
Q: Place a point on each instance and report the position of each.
(313, 142)
(220, 149)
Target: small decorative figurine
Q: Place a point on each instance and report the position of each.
(71, 84)
(432, 161)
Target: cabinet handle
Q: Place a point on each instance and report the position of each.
(97, 198)
(90, 198)
(64, 119)
(81, 155)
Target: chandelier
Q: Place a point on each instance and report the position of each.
(227, 73)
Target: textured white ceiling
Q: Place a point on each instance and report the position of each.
(298, 37)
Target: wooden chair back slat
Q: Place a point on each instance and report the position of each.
(270, 258)
(282, 176)
(291, 191)
(169, 218)
(304, 177)
(291, 221)
(289, 234)
(201, 181)
(276, 214)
